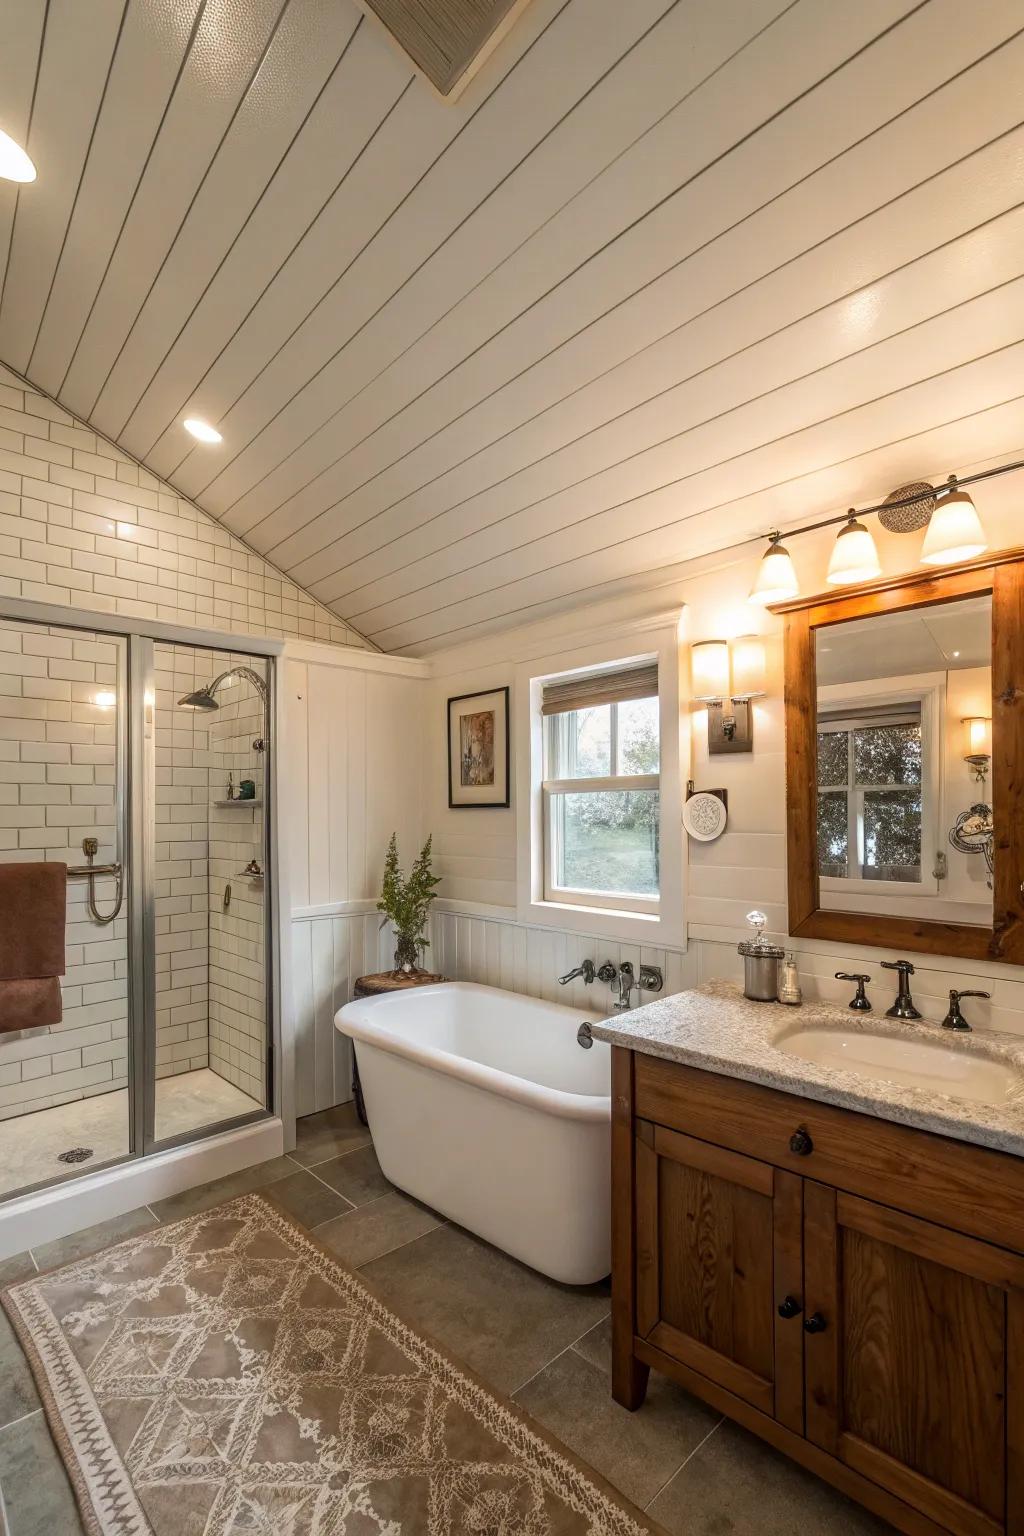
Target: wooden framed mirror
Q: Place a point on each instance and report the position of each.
(905, 762)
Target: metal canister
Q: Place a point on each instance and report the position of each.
(761, 970)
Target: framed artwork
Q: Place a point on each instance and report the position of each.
(478, 750)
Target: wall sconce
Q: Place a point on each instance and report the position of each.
(732, 729)
(979, 745)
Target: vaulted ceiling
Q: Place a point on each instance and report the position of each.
(665, 274)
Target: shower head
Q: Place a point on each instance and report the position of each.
(201, 698)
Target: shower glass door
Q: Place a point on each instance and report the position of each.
(64, 1100)
(143, 766)
(211, 742)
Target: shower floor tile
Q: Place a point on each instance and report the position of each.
(30, 1144)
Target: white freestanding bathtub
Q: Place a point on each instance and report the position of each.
(483, 1105)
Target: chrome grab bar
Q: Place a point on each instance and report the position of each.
(83, 871)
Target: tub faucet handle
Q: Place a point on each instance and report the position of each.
(626, 982)
(584, 969)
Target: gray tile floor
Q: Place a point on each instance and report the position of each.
(546, 1345)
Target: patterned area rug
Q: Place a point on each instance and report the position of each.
(225, 1376)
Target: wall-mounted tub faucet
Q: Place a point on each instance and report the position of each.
(584, 969)
(626, 980)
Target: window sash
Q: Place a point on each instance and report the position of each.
(579, 896)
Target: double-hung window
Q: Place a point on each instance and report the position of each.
(602, 790)
(873, 794)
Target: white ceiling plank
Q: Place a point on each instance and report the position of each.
(914, 147)
(731, 308)
(367, 83)
(821, 125)
(978, 385)
(583, 43)
(77, 50)
(411, 139)
(19, 62)
(926, 288)
(225, 52)
(658, 562)
(302, 53)
(976, 329)
(149, 54)
(616, 118)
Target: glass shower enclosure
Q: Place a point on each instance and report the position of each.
(143, 765)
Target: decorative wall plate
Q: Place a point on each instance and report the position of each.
(704, 816)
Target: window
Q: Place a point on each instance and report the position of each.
(871, 813)
(602, 796)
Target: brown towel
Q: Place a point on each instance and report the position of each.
(33, 913)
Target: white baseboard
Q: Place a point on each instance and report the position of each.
(33, 1219)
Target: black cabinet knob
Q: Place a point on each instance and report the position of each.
(800, 1142)
(789, 1307)
(815, 1323)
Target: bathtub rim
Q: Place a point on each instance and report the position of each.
(351, 1020)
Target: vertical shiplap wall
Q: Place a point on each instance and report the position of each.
(353, 763)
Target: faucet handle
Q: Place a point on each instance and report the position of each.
(898, 965)
(969, 994)
(861, 1003)
(954, 1018)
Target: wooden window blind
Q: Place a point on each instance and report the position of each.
(588, 690)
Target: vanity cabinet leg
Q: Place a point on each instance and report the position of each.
(629, 1375)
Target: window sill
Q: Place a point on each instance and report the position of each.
(648, 928)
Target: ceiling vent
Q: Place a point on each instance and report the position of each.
(447, 40)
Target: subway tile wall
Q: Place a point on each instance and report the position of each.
(238, 1029)
(82, 524)
(58, 729)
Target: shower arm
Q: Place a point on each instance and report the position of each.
(246, 672)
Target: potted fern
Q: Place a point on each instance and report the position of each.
(405, 904)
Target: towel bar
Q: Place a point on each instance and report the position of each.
(83, 871)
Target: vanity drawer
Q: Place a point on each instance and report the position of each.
(970, 1188)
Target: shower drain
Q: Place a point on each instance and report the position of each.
(75, 1155)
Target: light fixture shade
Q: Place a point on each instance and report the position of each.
(954, 533)
(748, 667)
(15, 165)
(979, 736)
(709, 670)
(854, 556)
(775, 581)
(201, 430)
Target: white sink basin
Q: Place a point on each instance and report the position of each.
(934, 1066)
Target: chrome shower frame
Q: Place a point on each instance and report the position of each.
(135, 810)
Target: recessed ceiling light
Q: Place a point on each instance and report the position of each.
(202, 430)
(15, 165)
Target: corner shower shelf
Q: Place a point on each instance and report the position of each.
(225, 805)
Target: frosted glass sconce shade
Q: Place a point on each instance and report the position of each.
(775, 581)
(854, 556)
(709, 670)
(748, 667)
(954, 532)
(979, 737)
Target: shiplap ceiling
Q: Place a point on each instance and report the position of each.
(665, 275)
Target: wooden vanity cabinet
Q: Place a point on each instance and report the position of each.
(833, 1315)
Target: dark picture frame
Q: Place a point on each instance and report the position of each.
(479, 750)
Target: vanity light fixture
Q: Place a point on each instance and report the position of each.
(729, 729)
(979, 745)
(854, 556)
(15, 164)
(201, 430)
(775, 581)
(954, 532)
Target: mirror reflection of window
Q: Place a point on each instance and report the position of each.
(893, 691)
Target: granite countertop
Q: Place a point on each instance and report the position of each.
(716, 1028)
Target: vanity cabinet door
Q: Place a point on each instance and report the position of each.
(717, 1253)
(913, 1370)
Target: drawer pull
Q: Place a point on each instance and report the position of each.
(815, 1323)
(800, 1142)
(790, 1307)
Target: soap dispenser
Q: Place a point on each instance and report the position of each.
(789, 983)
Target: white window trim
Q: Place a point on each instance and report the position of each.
(928, 690)
(609, 917)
